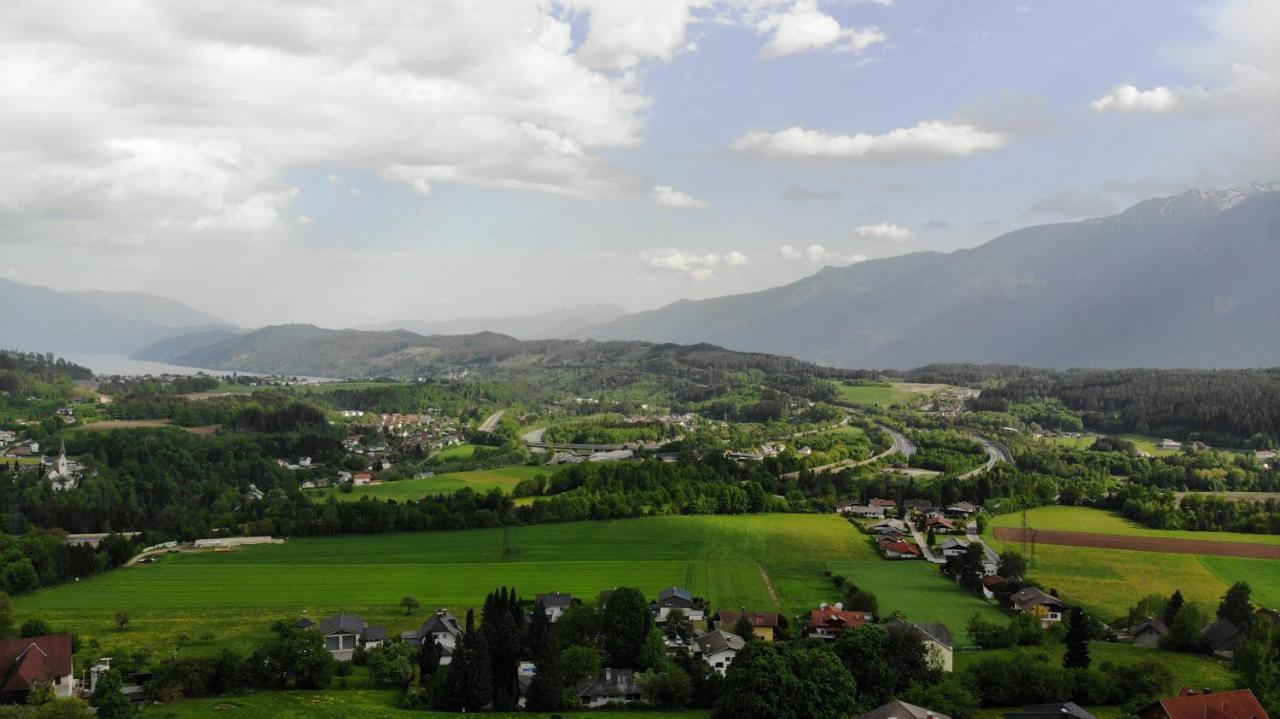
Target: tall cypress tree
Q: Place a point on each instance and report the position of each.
(546, 691)
(1077, 656)
(1172, 606)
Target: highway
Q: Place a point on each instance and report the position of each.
(996, 452)
(901, 445)
(492, 422)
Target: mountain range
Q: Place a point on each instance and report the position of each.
(39, 319)
(558, 322)
(1188, 280)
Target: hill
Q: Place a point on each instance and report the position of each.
(1183, 281)
(556, 323)
(309, 350)
(42, 319)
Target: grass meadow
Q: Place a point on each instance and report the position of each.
(198, 601)
(1101, 521)
(876, 395)
(408, 490)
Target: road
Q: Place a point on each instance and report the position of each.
(996, 453)
(490, 424)
(534, 436)
(923, 544)
(971, 531)
(901, 445)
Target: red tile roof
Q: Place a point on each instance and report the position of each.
(33, 659)
(837, 620)
(900, 547)
(1238, 704)
(758, 619)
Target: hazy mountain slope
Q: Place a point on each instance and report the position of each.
(41, 319)
(557, 323)
(1181, 281)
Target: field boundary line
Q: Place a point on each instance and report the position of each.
(768, 585)
(1170, 545)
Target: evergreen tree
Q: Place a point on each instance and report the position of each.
(1236, 606)
(744, 628)
(109, 699)
(1171, 608)
(624, 626)
(546, 690)
(1077, 641)
(467, 685)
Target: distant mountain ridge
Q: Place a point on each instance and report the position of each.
(40, 319)
(557, 323)
(1188, 280)
(309, 350)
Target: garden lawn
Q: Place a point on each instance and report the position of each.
(353, 704)
(411, 490)
(1101, 521)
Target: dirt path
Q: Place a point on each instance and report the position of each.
(768, 584)
(1144, 544)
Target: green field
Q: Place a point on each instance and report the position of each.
(1263, 576)
(1193, 670)
(215, 599)
(1100, 521)
(356, 704)
(407, 490)
(876, 395)
(457, 451)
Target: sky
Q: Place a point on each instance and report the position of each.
(345, 164)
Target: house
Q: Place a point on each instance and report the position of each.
(718, 648)
(940, 525)
(611, 686)
(1237, 704)
(1068, 710)
(990, 585)
(36, 660)
(1222, 637)
(853, 509)
(939, 646)
(827, 622)
(677, 598)
(885, 503)
(344, 632)
(554, 603)
(440, 628)
(1170, 444)
(1030, 599)
(954, 547)
(962, 508)
(1148, 633)
(764, 625)
(253, 494)
(1269, 615)
(898, 549)
(890, 525)
(897, 709)
(362, 479)
(917, 505)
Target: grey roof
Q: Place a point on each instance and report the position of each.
(1050, 711)
(610, 683)
(719, 641)
(353, 623)
(1222, 635)
(304, 623)
(954, 543)
(1150, 625)
(374, 634)
(897, 709)
(1031, 596)
(675, 593)
(933, 630)
(554, 599)
(442, 621)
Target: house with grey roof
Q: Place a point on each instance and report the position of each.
(554, 603)
(611, 686)
(1148, 633)
(1066, 710)
(897, 709)
(344, 632)
(718, 649)
(1030, 599)
(441, 628)
(677, 598)
(1222, 637)
(937, 640)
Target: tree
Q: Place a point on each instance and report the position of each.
(1012, 564)
(786, 681)
(744, 628)
(624, 626)
(1236, 606)
(409, 604)
(122, 620)
(392, 665)
(546, 689)
(580, 662)
(293, 656)
(1184, 633)
(35, 628)
(6, 616)
(1172, 606)
(468, 683)
(1077, 641)
(668, 687)
(678, 626)
(654, 652)
(108, 698)
(63, 709)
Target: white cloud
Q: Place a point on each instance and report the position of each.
(143, 117)
(804, 27)
(816, 253)
(931, 140)
(668, 196)
(884, 231)
(698, 267)
(1128, 98)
